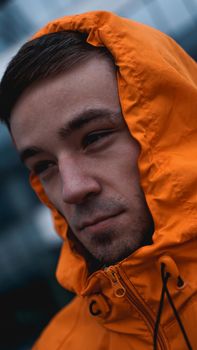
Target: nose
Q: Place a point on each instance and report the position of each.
(77, 181)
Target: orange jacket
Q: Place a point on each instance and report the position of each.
(116, 308)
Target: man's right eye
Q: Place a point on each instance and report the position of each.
(42, 166)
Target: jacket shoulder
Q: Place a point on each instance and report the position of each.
(59, 328)
(72, 326)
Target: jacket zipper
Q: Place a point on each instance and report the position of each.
(121, 290)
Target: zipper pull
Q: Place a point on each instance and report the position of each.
(119, 289)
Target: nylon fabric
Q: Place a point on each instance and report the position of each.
(157, 84)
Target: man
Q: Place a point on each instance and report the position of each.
(102, 112)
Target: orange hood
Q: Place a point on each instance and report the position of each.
(157, 84)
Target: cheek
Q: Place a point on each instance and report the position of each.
(126, 183)
(53, 192)
(124, 173)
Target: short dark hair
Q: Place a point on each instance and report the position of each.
(41, 58)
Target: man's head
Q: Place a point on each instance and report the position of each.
(65, 119)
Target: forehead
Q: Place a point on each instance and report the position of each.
(47, 104)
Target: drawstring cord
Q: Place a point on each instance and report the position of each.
(165, 276)
(161, 303)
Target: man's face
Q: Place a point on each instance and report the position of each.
(71, 133)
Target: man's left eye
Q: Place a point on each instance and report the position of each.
(94, 137)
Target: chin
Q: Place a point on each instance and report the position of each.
(110, 258)
(112, 255)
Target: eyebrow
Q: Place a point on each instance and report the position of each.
(29, 152)
(77, 122)
(86, 117)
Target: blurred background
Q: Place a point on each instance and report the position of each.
(29, 248)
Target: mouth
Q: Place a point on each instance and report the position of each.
(99, 223)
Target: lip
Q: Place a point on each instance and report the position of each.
(98, 223)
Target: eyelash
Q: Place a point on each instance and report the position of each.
(94, 137)
(42, 166)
